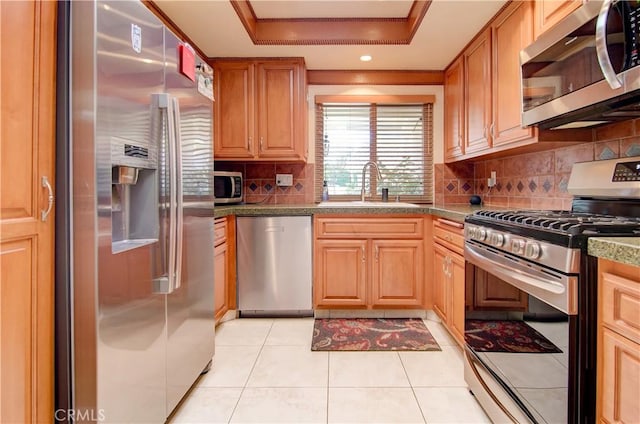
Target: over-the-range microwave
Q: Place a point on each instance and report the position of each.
(584, 71)
(228, 187)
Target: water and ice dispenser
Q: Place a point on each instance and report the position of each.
(134, 194)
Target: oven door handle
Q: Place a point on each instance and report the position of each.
(559, 292)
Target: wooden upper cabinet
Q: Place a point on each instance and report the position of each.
(547, 13)
(234, 110)
(454, 110)
(477, 93)
(260, 110)
(280, 96)
(511, 32)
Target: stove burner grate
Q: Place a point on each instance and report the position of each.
(567, 222)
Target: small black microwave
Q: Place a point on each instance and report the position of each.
(228, 187)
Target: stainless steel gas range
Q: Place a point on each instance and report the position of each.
(535, 362)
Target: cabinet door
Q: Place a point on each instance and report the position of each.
(454, 110)
(27, 151)
(511, 32)
(398, 270)
(491, 292)
(340, 273)
(550, 12)
(280, 130)
(440, 268)
(234, 117)
(457, 285)
(477, 71)
(220, 294)
(620, 379)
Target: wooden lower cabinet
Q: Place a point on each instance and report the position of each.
(449, 289)
(220, 294)
(224, 267)
(397, 272)
(618, 358)
(361, 263)
(340, 273)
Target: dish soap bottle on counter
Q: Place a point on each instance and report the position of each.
(325, 191)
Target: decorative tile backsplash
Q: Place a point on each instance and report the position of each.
(260, 181)
(535, 180)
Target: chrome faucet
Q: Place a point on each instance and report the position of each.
(364, 169)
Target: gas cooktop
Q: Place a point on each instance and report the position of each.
(568, 222)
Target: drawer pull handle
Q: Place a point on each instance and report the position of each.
(451, 223)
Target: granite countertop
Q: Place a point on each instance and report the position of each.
(619, 249)
(453, 212)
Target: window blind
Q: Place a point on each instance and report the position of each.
(398, 137)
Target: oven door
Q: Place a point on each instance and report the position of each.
(520, 337)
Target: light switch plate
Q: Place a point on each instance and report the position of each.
(285, 180)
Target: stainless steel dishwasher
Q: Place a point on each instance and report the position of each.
(274, 266)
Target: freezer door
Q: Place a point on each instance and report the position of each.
(190, 313)
(130, 321)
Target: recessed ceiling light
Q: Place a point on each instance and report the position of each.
(365, 58)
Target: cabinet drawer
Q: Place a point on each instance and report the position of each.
(395, 228)
(220, 231)
(620, 306)
(449, 234)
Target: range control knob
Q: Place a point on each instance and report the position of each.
(497, 239)
(517, 246)
(472, 232)
(532, 250)
(481, 234)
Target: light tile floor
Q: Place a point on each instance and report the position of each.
(265, 372)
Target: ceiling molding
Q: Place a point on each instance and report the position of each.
(172, 25)
(377, 77)
(331, 31)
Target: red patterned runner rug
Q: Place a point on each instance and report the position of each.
(506, 336)
(372, 334)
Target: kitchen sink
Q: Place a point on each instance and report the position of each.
(367, 204)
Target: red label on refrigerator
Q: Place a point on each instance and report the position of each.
(187, 66)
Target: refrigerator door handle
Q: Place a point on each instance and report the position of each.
(173, 181)
(165, 284)
(177, 139)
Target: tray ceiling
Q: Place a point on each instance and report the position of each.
(333, 34)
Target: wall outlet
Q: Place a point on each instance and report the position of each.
(285, 180)
(492, 181)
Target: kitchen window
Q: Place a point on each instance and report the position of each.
(393, 131)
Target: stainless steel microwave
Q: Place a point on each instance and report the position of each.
(228, 187)
(584, 71)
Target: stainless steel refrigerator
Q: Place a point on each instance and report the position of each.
(141, 226)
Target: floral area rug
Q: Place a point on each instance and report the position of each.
(364, 334)
(506, 336)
